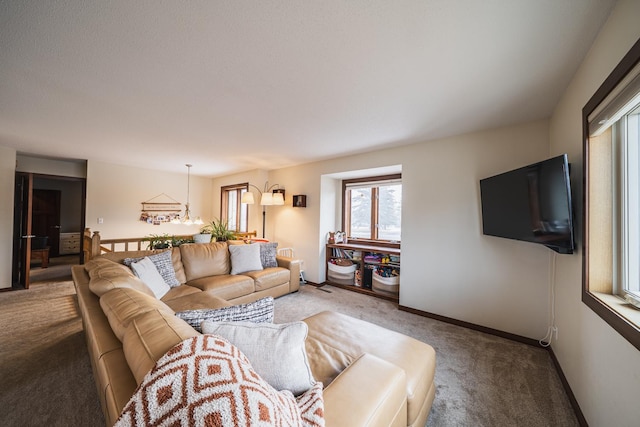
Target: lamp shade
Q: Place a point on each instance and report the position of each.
(247, 197)
(277, 199)
(267, 199)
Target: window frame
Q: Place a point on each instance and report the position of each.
(224, 205)
(346, 209)
(611, 311)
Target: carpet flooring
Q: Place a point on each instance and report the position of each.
(482, 380)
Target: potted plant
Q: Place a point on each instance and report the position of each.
(219, 230)
(159, 241)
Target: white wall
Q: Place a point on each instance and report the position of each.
(602, 368)
(7, 180)
(115, 193)
(448, 266)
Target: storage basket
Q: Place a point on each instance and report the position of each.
(386, 285)
(342, 275)
(342, 269)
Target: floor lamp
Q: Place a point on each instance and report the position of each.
(266, 199)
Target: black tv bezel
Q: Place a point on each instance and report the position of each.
(561, 249)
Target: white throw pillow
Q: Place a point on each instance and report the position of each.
(245, 258)
(146, 270)
(276, 352)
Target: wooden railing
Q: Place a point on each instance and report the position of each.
(93, 245)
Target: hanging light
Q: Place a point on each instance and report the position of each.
(186, 220)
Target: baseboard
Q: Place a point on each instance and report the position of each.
(468, 325)
(565, 384)
(567, 388)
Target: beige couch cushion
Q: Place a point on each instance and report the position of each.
(226, 286)
(269, 277)
(205, 259)
(335, 339)
(106, 275)
(121, 305)
(196, 301)
(149, 336)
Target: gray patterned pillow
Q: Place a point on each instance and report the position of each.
(268, 254)
(260, 311)
(163, 264)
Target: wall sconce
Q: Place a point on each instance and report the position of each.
(267, 198)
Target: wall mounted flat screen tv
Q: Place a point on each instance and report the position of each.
(532, 204)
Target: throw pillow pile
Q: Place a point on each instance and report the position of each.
(207, 381)
(163, 264)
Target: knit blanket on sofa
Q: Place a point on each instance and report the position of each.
(206, 381)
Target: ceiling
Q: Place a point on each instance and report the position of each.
(236, 85)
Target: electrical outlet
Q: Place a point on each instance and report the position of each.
(555, 332)
(100, 220)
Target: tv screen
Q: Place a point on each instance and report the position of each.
(532, 204)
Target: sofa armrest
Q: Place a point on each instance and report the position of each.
(370, 392)
(294, 267)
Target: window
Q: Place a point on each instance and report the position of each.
(373, 208)
(231, 210)
(611, 225)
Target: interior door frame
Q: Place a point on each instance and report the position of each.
(23, 207)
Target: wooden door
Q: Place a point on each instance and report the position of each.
(22, 234)
(46, 218)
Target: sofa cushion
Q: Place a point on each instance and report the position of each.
(105, 275)
(225, 286)
(149, 336)
(146, 270)
(204, 259)
(163, 263)
(335, 340)
(206, 380)
(259, 311)
(121, 305)
(268, 254)
(269, 277)
(285, 365)
(179, 292)
(245, 258)
(196, 301)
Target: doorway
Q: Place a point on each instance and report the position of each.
(49, 216)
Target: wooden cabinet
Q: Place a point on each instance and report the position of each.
(369, 269)
(70, 243)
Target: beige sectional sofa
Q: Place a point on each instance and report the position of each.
(372, 376)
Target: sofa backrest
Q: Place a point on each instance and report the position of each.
(205, 259)
(105, 275)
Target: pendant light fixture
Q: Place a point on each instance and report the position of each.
(186, 220)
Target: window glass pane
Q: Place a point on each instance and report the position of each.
(389, 212)
(360, 225)
(232, 207)
(243, 213)
(632, 203)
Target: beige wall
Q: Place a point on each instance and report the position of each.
(602, 368)
(448, 266)
(7, 179)
(115, 193)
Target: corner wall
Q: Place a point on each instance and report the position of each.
(602, 368)
(7, 183)
(448, 266)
